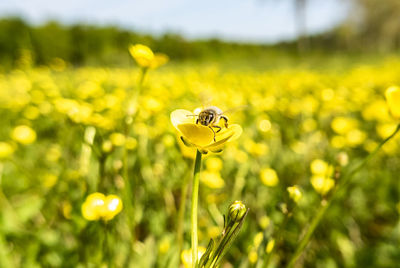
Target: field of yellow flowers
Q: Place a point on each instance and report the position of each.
(94, 174)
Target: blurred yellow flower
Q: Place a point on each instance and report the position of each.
(5, 149)
(202, 137)
(23, 134)
(269, 177)
(98, 206)
(342, 125)
(294, 193)
(117, 139)
(258, 238)
(393, 100)
(264, 125)
(145, 57)
(107, 146)
(270, 246)
(253, 256)
(186, 256)
(264, 222)
(164, 246)
(130, 143)
(355, 137)
(320, 167)
(322, 184)
(212, 179)
(214, 164)
(49, 180)
(112, 206)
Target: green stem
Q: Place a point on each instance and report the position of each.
(325, 204)
(195, 199)
(278, 238)
(181, 214)
(102, 184)
(142, 76)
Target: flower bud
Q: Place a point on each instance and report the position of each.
(237, 210)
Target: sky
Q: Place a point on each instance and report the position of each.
(234, 20)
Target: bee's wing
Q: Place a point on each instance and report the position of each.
(205, 98)
(235, 109)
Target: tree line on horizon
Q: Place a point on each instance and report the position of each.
(372, 27)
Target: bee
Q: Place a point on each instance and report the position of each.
(210, 117)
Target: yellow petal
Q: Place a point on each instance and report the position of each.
(236, 130)
(197, 134)
(142, 54)
(227, 134)
(159, 59)
(182, 116)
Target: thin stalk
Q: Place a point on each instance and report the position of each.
(181, 214)
(324, 205)
(129, 119)
(1, 172)
(195, 199)
(142, 76)
(102, 184)
(278, 239)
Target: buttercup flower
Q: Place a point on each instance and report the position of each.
(322, 184)
(322, 180)
(200, 136)
(393, 100)
(269, 177)
(5, 149)
(23, 134)
(98, 206)
(145, 57)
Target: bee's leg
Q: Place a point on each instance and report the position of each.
(197, 121)
(212, 131)
(219, 128)
(225, 119)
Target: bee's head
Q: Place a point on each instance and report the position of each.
(206, 117)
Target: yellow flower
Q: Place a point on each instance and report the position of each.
(322, 184)
(98, 206)
(342, 125)
(253, 256)
(92, 206)
(258, 238)
(117, 139)
(270, 246)
(186, 256)
(202, 137)
(294, 193)
(5, 150)
(23, 134)
(393, 100)
(269, 177)
(145, 57)
(212, 179)
(320, 167)
(214, 164)
(112, 206)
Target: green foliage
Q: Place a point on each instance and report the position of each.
(287, 123)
